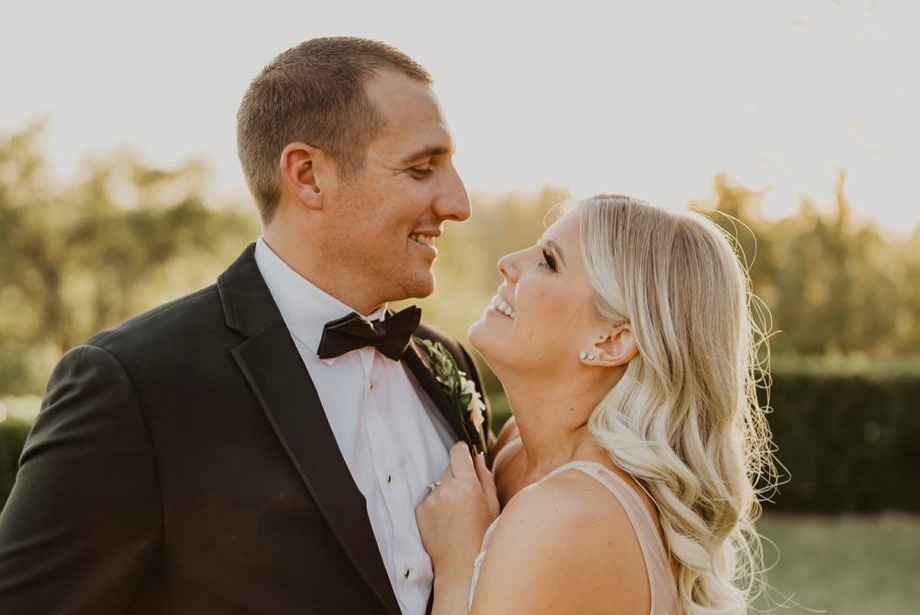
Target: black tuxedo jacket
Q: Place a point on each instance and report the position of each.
(182, 464)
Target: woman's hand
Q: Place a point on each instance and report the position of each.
(454, 517)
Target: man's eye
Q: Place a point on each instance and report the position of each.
(549, 260)
(420, 172)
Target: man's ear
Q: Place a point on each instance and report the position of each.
(614, 347)
(303, 171)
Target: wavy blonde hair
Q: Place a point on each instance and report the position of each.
(685, 419)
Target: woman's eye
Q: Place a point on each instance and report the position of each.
(549, 260)
(419, 172)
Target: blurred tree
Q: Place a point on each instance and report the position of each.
(78, 258)
(85, 257)
(906, 269)
(738, 210)
(832, 286)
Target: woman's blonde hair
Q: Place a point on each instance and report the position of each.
(685, 418)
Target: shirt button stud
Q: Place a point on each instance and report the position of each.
(371, 386)
(389, 479)
(406, 573)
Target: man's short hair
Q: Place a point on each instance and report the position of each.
(314, 93)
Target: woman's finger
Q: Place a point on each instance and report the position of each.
(487, 481)
(447, 476)
(461, 462)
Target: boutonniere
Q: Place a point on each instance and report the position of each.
(460, 389)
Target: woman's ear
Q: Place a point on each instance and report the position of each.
(615, 347)
(303, 170)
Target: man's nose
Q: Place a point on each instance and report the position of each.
(453, 203)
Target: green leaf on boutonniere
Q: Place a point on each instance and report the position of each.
(460, 389)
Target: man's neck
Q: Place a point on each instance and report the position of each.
(296, 257)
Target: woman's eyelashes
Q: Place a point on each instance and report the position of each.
(548, 260)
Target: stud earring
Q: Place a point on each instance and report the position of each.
(590, 357)
(583, 355)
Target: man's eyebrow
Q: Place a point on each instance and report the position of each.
(555, 247)
(428, 152)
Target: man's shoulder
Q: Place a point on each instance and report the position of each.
(191, 316)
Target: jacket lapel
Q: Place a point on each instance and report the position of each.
(418, 363)
(274, 369)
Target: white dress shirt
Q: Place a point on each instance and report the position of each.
(393, 439)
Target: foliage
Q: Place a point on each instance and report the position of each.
(13, 433)
(459, 389)
(848, 441)
(81, 258)
(832, 286)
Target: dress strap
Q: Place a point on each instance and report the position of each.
(654, 551)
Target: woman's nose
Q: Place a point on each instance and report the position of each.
(507, 266)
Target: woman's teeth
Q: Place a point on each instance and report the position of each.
(502, 306)
(428, 240)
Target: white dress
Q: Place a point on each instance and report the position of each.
(657, 562)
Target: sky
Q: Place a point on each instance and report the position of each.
(650, 99)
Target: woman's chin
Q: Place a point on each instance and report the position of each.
(489, 335)
(476, 333)
(483, 336)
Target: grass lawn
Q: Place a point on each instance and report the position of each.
(844, 566)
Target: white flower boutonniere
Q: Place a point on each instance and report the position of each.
(460, 389)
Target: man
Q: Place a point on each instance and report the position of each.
(260, 446)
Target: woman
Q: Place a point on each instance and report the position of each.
(625, 344)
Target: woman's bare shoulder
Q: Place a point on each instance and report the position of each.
(564, 544)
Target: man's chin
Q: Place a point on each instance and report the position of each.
(419, 287)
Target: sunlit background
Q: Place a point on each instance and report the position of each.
(646, 98)
(120, 189)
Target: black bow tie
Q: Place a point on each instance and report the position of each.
(391, 336)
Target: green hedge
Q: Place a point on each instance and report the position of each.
(13, 434)
(850, 443)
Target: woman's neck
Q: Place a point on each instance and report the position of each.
(552, 419)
